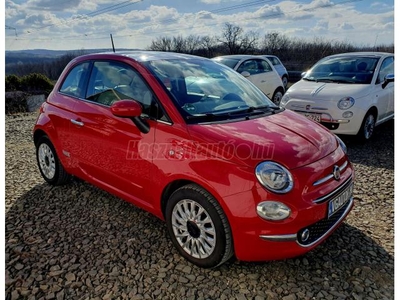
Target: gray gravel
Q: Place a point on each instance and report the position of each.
(78, 242)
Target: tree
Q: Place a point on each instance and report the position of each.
(236, 41)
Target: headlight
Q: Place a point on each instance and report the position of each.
(273, 210)
(285, 99)
(274, 177)
(342, 144)
(345, 103)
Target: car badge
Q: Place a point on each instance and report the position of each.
(336, 172)
(308, 107)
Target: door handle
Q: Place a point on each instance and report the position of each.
(78, 123)
(263, 81)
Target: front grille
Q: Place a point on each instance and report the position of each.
(322, 227)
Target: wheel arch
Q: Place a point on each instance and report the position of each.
(174, 185)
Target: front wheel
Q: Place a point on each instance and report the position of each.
(49, 164)
(198, 227)
(367, 127)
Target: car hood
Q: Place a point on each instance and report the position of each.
(287, 138)
(309, 90)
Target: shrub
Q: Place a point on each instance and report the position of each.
(36, 82)
(13, 83)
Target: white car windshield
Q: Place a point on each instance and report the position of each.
(205, 89)
(343, 69)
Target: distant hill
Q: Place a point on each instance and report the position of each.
(44, 55)
(26, 61)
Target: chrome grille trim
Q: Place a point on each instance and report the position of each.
(330, 176)
(280, 238)
(342, 187)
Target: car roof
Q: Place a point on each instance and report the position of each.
(142, 55)
(369, 53)
(238, 56)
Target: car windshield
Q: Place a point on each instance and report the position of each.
(343, 69)
(204, 90)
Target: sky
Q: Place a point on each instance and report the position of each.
(87, 24)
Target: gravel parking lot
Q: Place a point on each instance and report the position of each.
(78, 242)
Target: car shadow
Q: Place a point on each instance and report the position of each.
(51, 232)
(377, 152)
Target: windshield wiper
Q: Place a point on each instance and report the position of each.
(331, 80)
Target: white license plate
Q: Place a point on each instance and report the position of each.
(314, 117)
(337, 203)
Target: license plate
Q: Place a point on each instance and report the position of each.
(337, 203)
(314, 117)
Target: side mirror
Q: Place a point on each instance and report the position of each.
(126, 109)
(388, 78)
(303, 74)
(130, 109)
(245, 74)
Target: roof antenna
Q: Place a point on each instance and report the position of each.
(112, 42)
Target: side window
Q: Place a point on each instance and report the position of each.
(275, 61)
(387, 67)
(73, 84)
(113, 81)
(250, 66)
(266, 66)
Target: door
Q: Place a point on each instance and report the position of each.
(385, 96)
(261, 75)
(111, 151)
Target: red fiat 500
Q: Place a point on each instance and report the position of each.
(199, 146)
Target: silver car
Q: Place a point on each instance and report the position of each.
(279, 67)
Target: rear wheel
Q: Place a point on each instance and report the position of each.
(285, 81)
(367, 127)
(198, 227)
(49, 165)
(277, 97)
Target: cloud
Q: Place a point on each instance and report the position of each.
(346, 26)
(210, 1)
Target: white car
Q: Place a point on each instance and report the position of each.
(279, 67)
(349, 93)
(259, 71)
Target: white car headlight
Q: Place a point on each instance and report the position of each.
(346, 103)
(274, 177)
(342, 144)
(285, 99)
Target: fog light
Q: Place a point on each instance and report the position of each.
(347, 114)
(305, 235)
(273, 210)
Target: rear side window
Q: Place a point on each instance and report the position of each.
(74, 82)
(274, 61)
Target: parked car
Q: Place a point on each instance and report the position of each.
(349, 93)
(259, 71)
(279, 67)
(192, 142)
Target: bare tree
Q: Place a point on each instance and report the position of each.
(162, 43)
(238, 42)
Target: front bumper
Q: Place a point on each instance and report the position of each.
(256, 239)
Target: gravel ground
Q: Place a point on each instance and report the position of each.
(78, 242)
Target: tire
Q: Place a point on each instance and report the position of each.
(285, 81)
(49, 164)
(204, 238)
(367, 127)
(277, 97)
